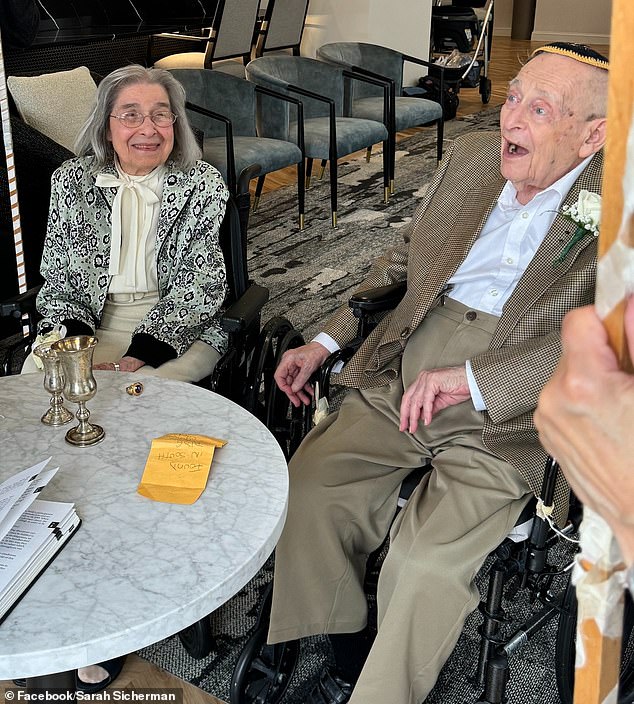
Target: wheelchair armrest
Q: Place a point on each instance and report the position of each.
(22, 304)
(376, 300)
(239, 315)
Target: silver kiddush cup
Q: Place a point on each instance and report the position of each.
(80, 386)
(57, 414)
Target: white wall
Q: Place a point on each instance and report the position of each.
(502, 17)
(403, 25)
(584, 21)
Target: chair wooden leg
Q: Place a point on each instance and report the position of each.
(368, 154)
(301, 192)
(386, 170)
(258, 192)
(322, 169)
(392, 142)
(309, 170)
(333, 191)
(440, 131)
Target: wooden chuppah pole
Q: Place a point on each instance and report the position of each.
(13, 186)
(600, 571)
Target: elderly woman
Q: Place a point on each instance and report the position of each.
(132, 249)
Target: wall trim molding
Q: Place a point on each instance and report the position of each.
(502, 31)
(570, 37)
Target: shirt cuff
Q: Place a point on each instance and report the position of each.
(150, 350)
(324, 339)
(77, 327)
(476, 396)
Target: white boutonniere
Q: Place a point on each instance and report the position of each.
(585, 215)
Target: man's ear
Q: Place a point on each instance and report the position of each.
(595, 137)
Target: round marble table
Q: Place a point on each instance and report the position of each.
(137, 570)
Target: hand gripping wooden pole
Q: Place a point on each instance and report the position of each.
(600, 573)
(13, 186)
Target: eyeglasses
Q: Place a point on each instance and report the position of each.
(163, 118)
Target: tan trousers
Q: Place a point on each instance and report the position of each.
(345, 479)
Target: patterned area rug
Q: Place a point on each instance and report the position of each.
(309, 274)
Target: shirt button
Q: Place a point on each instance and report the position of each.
(405, 332)
(471, 315)
(509, 260)
(493, 292)
(524, 215)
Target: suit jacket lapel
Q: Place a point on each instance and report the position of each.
(542, 272)
(433, 263)
(454, 248)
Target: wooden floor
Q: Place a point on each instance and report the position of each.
(507, 56)
(139, 674)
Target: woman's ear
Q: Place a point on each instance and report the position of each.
(596, 133)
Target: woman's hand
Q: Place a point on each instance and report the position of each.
(125, 364)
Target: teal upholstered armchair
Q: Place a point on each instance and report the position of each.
(365, 100)
(328, 134)
(223, 108)
(230, 36)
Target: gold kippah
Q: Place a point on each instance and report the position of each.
(578, 52)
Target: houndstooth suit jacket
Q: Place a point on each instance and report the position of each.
(526, 346)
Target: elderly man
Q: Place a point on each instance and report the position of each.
(452, 377)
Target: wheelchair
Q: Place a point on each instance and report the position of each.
(263, 672)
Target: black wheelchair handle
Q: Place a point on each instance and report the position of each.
(374, 300)
(243, 312)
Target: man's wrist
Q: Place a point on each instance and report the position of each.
(324, 339)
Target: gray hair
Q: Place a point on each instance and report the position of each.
(93, 137)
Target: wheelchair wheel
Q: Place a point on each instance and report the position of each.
(288, 424)
(262, 672)
(262, 365)
(485, 89)
(197, 639)
(565, 649)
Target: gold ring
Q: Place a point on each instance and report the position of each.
(135, 389)
(116, 366)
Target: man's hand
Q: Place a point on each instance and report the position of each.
(295, 369)
(431, 392)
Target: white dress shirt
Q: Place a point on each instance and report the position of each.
(507, 243)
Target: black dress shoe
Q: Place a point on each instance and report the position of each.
(330, 689)
(20, 682)
(112, 667)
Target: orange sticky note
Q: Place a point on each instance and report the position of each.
(177, 467)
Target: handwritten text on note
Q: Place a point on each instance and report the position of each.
(177, 467)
